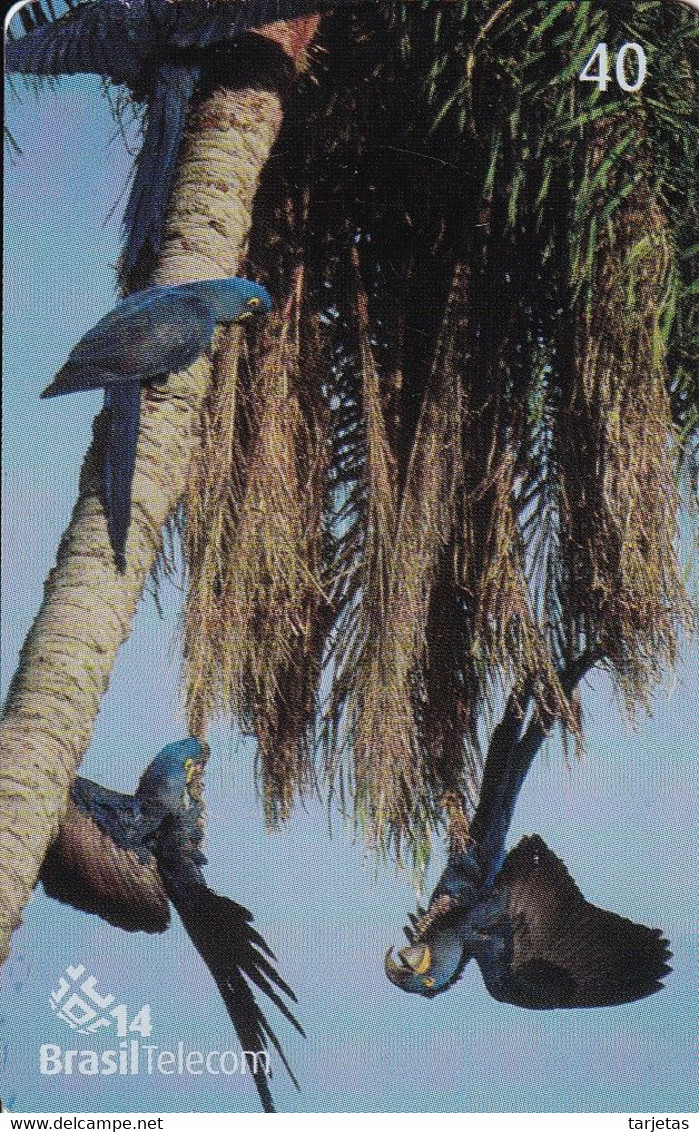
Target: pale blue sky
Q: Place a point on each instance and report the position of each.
(623, 819)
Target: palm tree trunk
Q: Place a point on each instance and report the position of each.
(67, 658)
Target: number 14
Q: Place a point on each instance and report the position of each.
(602, 77)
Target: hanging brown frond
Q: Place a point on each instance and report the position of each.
(507, 641)
(443, 476)
(253, 524)
(207, 521)
(619, 499)
(389, 746)
(380, 474)
(500, 640)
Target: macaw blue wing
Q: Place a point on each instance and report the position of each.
(91, 39)
(121, 38)
(550, 948)
(118, 815)
(222, 932)
(151, 334)
(100, 861)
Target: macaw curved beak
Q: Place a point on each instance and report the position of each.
(194, 768)
(415, 960)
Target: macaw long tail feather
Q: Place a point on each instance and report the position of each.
(221, 931)
(144, 216)
(123, 405)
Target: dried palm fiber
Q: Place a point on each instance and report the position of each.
(483, 632)
(615, 439)
(399, 559)
(253, 512)
(383, 650)
(456, 493)
(439, 620)
(392, 311)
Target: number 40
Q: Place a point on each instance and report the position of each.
(602, 77)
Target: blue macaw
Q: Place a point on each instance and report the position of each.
(160, 49)
(149, 335)
(125, 857)
(537, 941)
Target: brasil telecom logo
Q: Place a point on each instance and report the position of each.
(86, 1010)
(78, 1002)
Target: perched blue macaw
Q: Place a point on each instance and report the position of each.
(537, 941)
(125, 857)
(160, 49)
(149, 335)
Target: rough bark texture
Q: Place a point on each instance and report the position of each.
(67, 658)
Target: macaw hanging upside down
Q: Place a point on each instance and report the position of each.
(537, 941)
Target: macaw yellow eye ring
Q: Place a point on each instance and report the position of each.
(428, 982)
(254, 302)
(190, 767)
